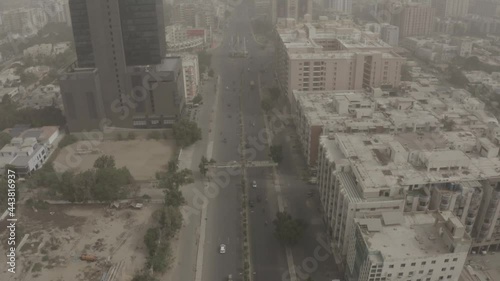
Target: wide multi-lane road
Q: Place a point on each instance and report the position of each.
(224, 211)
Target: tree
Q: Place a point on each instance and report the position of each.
(170, 220)
(274, 93)
(5, 138)
(151, 240)
(144, 276)
(186, 132)
(203, 166)
(266, 104)
(276, 153)
(197, 99)
(27, 78)
(288, 230)
(204, 61)
(448, 124)
(161, 260)
(105, 161)
(155, 135)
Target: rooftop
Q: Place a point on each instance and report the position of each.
(397, 236)
(381, 161)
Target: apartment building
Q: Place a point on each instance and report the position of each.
(390, 34)
(451, 8)
(362, 175)
(342, 6)
(195, 14)
(417, 247)
(415, 19)
(333, 55)
(191, 74)
(23, 21)
(294, 9)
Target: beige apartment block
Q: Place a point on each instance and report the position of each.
(417, 247)
(333, 55)
(364, 175)
(294, 9)
(415, 20)
(451, 8)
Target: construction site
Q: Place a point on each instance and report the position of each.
(80, 242)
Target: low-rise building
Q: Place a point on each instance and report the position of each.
(438, 50)
(182, 39)
(24, 155)
(191, 75)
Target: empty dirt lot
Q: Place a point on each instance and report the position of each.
(142, 157)
(59, 235)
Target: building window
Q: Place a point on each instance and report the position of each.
(443, 269)
(400, 274)
(424, 263)
(455, 259)
(413, 264)
(391, 266)
(433, 262)
(446, 260)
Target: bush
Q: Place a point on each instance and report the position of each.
(186, 133)
(155, 135)
(131, 136)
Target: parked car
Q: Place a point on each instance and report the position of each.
(222, 249)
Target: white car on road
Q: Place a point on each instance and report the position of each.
(254, 184)
(222, 249)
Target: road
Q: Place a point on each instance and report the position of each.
(224, 116)
(224, 218)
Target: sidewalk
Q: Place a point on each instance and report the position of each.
(188, 244)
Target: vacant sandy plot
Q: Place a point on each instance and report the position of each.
(142, 157)
(59, 235)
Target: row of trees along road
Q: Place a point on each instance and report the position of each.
(167, 221)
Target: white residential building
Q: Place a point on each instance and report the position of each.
(191, 76)
(25, 155)
(390, 34)
(416, 247)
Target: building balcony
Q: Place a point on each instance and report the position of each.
(468, 228)
(444, 206)
(486, 226)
